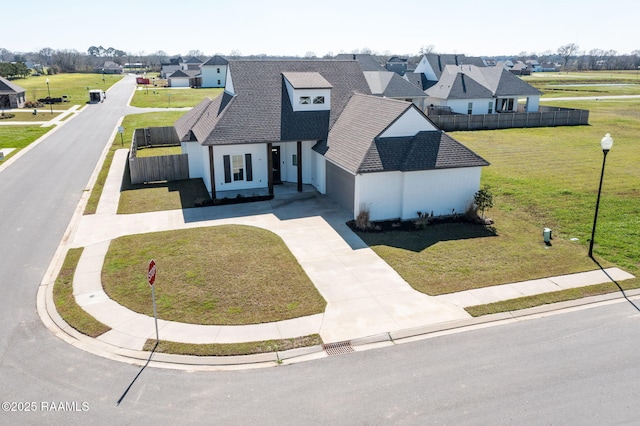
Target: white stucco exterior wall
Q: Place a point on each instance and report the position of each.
(318, 172)
(533, 103)
(258, 161)
(210, 75)
(392, 195)
(409, 124)
(461, 106)
(289, 172)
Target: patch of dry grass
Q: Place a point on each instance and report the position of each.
(230, 349)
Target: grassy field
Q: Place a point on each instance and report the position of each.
(581, 84)
(224, 275)
(544, 177)
(76, 86)
(173, 98)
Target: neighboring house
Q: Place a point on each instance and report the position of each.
(109, 67)
(192, 64)
(11, 95)
(183, 78)
(431, 66)
(389, 84)
(397, 65)
(366, 61)
(214, 72)
(172, 66)
(470, 89)
(520, 68)
(315, 122)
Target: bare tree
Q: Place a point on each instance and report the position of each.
(567, 52)
(426, 49)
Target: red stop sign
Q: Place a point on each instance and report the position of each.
(151, 275)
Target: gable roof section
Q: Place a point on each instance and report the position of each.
(472, 82)
(363, 119)
(256, 114)
(216, 60)
(200, 120)
(425, 151)
(7, 87)
(392, 85)
(306, 80)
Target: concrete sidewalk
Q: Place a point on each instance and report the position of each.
(365, 296)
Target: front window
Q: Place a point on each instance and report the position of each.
(238, 167)
(305, 100)
(318, 100)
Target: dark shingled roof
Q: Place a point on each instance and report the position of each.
(261, 110)
(363, 119)
(424, 151)
(7, 87)
(216, 60)
(365, 60)
(354, 142)
(391, 85)
(472, 82)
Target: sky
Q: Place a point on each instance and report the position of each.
(297, 28)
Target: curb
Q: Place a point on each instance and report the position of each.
(60, 328)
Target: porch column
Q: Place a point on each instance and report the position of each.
(212, 174)
(299, 154)
(270, 168)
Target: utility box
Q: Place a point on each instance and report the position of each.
(546, 235)
(96, 96)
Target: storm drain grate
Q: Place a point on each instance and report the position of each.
(338, 348)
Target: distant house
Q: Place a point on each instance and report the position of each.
(366, 61)
(174, 64)
(520, 68)
(214, 72)
(431, 66)
(11, 95)
(109, 67)
(470, 89)
(397, 65)
(183, 78)
(389, 84)
(315, 122)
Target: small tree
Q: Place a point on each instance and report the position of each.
(483, 199)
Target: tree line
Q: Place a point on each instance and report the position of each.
(12, 64)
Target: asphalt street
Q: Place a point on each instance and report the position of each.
(578, 367)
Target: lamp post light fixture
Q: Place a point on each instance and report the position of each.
(606, 143)
(49, 92)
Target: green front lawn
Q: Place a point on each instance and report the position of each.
(174, 98)
(224, 275)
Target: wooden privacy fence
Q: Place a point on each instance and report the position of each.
(546, 117)
(159, 168)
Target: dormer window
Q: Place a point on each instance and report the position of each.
(308, 91)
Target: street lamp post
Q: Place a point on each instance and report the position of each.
(606, 143)
(49, 92)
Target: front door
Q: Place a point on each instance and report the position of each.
(275, 161)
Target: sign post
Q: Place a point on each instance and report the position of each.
(151, 277)
(121, 131)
